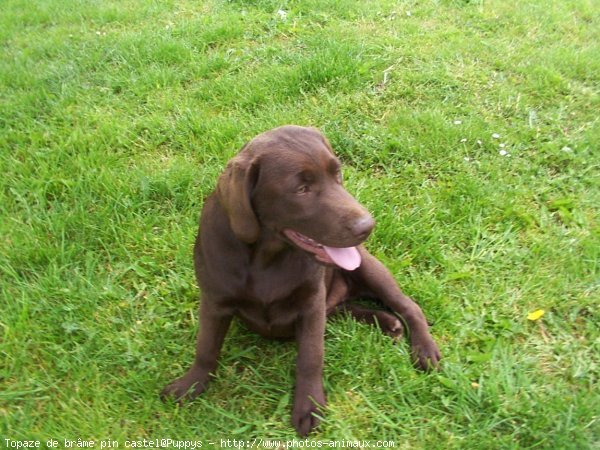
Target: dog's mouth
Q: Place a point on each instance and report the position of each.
(347, 258)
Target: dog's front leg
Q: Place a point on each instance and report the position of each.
(214, 323)
(310, 335)
(425, 352)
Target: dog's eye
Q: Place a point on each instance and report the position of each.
(303, 189)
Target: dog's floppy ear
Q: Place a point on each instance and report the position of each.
(234, 189)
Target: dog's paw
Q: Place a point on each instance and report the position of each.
(392, 327)
(186, 388)
(425, 353)
(304, 412)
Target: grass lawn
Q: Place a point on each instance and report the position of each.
(470, 130)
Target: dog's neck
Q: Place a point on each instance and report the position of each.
(270, 248)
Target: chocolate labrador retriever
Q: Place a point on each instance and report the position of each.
(279, 246)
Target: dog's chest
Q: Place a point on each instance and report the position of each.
(281, 281)
(272, 298)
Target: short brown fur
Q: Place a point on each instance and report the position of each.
(288, 178)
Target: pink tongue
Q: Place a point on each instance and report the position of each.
(347, 258)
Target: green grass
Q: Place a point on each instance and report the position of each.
(117, 117)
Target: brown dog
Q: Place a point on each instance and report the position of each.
(279, 247)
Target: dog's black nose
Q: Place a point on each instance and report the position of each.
(362, 227)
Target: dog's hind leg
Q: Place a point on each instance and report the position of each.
(389, 323)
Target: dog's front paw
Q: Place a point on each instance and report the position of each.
(186, 388)
(303, 413)
(425, 353)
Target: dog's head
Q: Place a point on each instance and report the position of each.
(289, 181)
